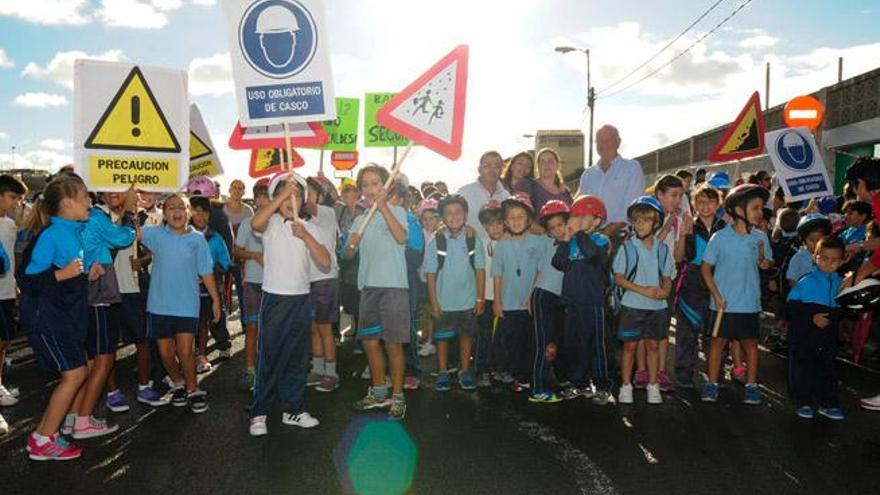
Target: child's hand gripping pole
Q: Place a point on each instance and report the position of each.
(394, 171)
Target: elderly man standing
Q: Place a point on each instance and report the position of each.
(615, 180)
(488, 187)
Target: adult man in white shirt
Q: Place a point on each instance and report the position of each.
(487, 187)
(617, 181)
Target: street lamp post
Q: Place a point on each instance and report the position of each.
(591, 93)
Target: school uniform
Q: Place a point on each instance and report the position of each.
(324, 282)
(800, 264)
(548, 317)
(489, 352)
(583, 260)
(55, 314)
(285, 319)
(643, 318)
(253, 274)
(516, 262)
(812, 350)
(221, 263)
(382, 280)
(179, 261)
(692, 301)
(415, 258)
(734, 258)
(8, 233)
(456, 282)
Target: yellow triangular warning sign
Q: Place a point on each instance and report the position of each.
(197, 147)
(133, 120)
(745, 137)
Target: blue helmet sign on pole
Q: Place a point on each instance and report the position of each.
(280, 61)
(798, 163)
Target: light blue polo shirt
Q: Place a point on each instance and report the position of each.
(382, 259)
(61, 243)
(456, 284)
(550, 279)
(253, 271)
(178, 262)
(735, 258)
(800, 264)
(648, 273)
(516, 262)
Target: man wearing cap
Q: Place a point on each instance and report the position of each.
(487, 187)
(615, 180)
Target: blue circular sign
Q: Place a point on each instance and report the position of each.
(794, 151)
(278, 37)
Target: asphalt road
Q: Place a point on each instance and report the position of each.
(489, 441)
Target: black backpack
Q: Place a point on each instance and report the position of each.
(470, 239)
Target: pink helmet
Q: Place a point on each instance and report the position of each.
(428, 205)
(201, 186)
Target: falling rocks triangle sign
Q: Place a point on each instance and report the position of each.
(744, 137)
(430, 111)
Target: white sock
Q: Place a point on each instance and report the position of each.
(330, 368)
(318, 365)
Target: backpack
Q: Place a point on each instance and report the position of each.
(470, 239)
(631, 257)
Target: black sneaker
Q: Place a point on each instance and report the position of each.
(198, 401)
(178, 397)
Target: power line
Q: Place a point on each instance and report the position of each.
(682, 53)
(661, 50)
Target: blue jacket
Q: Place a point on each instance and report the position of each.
(584, 262)
(101, 236)
(814, 293)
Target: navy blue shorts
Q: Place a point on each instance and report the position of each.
(59, 353)
(737, 326)
(103, 334)
(325, 303)
(131, 316)
(8, 326)
(166, 327)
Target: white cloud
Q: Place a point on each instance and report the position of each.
(60, 69)
(40, 159)
(54, 144)
(211, 75)
(47, 12)
(759, 41)
(3, 135)
(167, 4)
(135, 14)
(204, 2)
(39, 100)
(5, 61)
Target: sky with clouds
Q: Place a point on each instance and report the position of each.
(517, 83)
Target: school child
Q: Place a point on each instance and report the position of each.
(643, 269)
(730, 268)
(784, 242)
(323, 289)
(382, 280)
(812, 228)
(547, 309)
(249, 247)
(429, 221)
(290, 244)
(455, 268)
(812, 337)
(858, 214)
(201, 221)
(181, 258)
(692, 303)
(346, 211)
(101, 235)
(12, 191)
(583, 258)
(515, 270)
(54, 308)
(490, 357)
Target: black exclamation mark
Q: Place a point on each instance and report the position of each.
(135, 115)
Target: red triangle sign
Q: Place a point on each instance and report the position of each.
(430, 111)
(272, 136)
(744, 137)
(268, 161)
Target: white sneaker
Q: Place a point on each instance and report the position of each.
(871, 403)
(654, 396)
(303, 420)
(625, 396)
(4, 426)
(427, 349)
(366, 374)
(258, 426)
(7, 398)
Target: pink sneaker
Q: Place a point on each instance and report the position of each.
(641, 381)
(665, 383)
(739, 374)
(95, 428)
(411, 383)
(56, 449)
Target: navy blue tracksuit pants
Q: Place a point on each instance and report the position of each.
(490, 355)
(811, 355)
(283, 353)
(548, 318)
(585, 356)
(516, 332)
